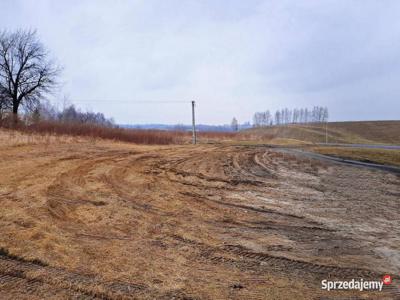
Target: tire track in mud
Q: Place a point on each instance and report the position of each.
(255, 168)
(209, 186)
(237, 256)
(249, 165)
(241, 168)
(288, 164)
(216, 254)
(44, 281)
(244, 207)
(65, 186)
(303, 266)
(49, 281)
(230, 170)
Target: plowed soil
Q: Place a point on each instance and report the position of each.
(82, 219)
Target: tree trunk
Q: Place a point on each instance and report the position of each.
(15, 114)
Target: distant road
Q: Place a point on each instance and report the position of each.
(389, 147)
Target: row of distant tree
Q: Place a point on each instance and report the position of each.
(317, 114)
(69, 114)
(44, 111)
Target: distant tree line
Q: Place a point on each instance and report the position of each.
(69, 114)
(317, 114)
(45, 112)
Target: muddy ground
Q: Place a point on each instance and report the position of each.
(99, 220)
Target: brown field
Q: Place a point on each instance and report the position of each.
(363, 132)
(86, 218)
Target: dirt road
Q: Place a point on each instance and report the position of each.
(88, 220)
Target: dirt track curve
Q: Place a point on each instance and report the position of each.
(103, 220)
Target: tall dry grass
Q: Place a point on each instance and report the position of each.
(137, 136)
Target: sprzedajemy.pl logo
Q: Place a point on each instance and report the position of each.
(356, 284)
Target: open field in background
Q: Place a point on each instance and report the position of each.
(369, 132)
(93, 218)
(365, 132)
(307, 136)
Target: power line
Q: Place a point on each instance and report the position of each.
(125, 101)
(194, 138)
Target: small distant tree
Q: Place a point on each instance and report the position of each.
(306, 116)
(256, 120)
(267, 118)
(234, 125)
(36, 115)
(325, 114)
(26, 72)
(302, 116)
(277, 117)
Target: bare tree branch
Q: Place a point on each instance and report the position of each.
(26, 72)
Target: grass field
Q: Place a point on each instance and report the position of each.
(366, 132)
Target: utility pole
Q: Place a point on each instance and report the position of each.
(194, 140)
(326, 132)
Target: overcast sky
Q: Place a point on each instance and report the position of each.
(233, 57)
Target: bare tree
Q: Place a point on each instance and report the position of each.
(267, 118)
(257, 119)
(284, 116)
(306, 115)
(325, 114)
(235, 124)
(26, 72)
(278, 117)
(295, 117)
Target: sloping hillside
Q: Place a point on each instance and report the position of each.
(368, 132)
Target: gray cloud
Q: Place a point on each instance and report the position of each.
(233, 57)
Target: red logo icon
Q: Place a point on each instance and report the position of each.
(387, 279)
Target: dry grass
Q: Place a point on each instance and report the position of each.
(380, 156)
(205, 222)
(149, 137)
(50, 130)
(368, 132)
(212, 136)
(239, 140)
